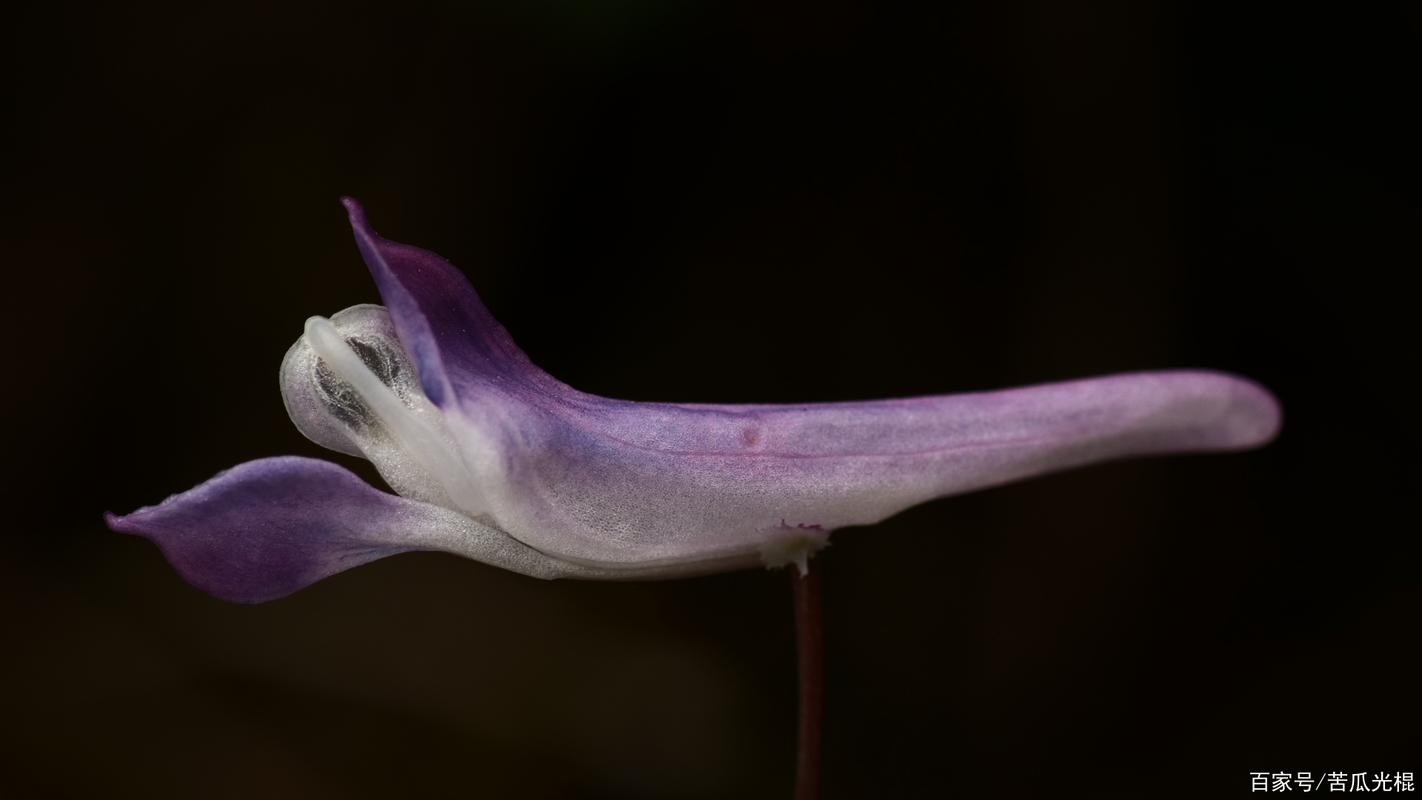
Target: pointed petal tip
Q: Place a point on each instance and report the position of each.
(130, 523)
(116, 522)
(354, 210)
(197, 576)
(360, 224)
(366, 237)
(264, 529)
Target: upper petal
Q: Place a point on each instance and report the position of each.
(457, 345)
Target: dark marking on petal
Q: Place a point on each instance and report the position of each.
(342, 400)
(379, 358)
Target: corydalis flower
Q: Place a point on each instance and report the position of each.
(493, 459)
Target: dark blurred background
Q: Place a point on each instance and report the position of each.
(722, 201)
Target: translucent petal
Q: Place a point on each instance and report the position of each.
(497, 461)
(267, 528)
(347, 407)
(607, 482)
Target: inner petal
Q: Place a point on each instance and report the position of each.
(349, 386)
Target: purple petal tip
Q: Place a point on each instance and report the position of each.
(355, 212)
(266, 528)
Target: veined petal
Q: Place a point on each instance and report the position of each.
(618, 481)
(457, 345)
(499, 462)
(267, 528)
(610, 484)
(348, 385)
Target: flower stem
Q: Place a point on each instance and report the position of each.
(809, 642)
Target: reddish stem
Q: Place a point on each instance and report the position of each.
(809, 643)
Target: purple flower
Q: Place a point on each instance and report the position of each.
(493, 459)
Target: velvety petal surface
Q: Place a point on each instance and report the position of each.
(608, 483)
(613, 481)
(267, 528)
(456, 344)
(364, 398)
(497, 461)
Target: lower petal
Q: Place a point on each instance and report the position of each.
(267, 528)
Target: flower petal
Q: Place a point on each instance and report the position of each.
(363, 397)
(611, 484)
(621, 482)
(267, 528)
(457, 345)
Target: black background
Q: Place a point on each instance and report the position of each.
(726, 202)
